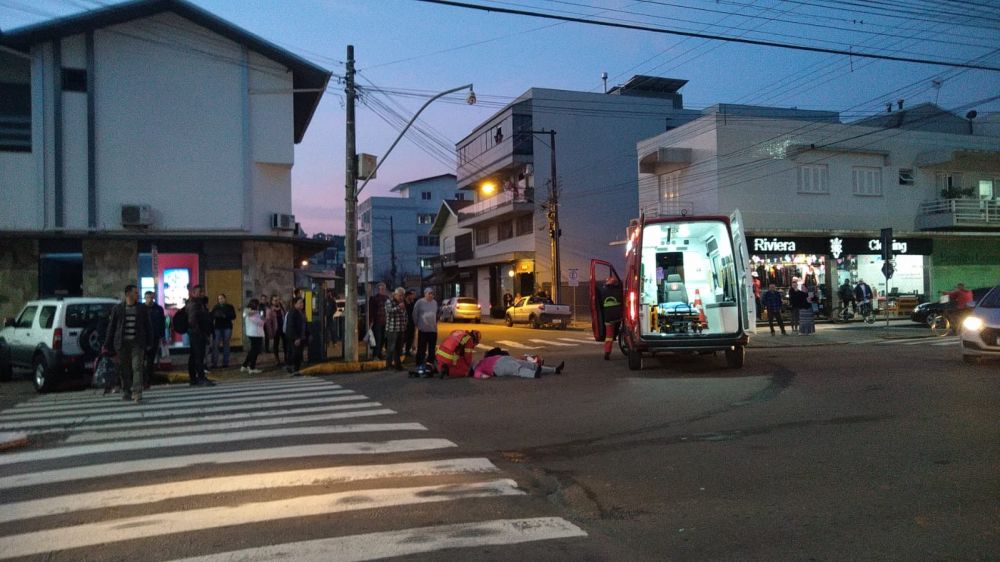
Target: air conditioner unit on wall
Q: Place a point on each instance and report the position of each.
(281, 221)
(137, 215)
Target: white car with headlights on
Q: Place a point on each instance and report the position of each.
(981, 329)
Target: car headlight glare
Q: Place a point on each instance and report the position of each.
(973, 324)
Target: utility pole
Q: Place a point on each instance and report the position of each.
(351, 226)
(392, 252)
(552, 213)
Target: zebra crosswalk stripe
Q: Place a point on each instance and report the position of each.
(515, 345)
(145, 526)
(422, 540)
(335, 414)
(580, 340)
(153, 404)
(557, 344)
(35, 478)
(139, 495)
(173, 395)
(200, 439)
(135, 412)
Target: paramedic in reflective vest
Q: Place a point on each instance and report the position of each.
(612, 313)
(454, 355)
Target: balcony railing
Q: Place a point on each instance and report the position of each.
(668, 208)
(439, 262)
(500, 200)
(947, 213)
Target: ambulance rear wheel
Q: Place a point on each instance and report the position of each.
(634, 360)
(735, 356)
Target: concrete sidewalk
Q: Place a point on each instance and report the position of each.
(829, 333)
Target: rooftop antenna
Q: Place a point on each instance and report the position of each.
(604, 77)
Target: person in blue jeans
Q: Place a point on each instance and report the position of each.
(223, 315)
(772, 302)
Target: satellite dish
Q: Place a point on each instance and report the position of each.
(971, 115)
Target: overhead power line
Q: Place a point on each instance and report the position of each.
(731, 39)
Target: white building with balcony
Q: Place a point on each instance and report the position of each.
(149, 143)
(595, 138)
(815, 192)
(394, 233)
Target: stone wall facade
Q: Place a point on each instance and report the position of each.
(109, 265)
(18, 274)
(268, 268)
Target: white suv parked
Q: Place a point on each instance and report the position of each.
(58, 339)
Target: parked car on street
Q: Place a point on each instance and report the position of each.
(58, 339)
(928, 312)
(460, 308)
(538, 311)
(981, 328)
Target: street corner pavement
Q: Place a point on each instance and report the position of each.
(840, 334)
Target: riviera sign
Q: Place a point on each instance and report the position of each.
(773, 245)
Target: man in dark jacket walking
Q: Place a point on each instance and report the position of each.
(199, 327)
(376, 319)
(772, 302)
(297, 334)
(157, 327)
(223, 315)
(128, 337)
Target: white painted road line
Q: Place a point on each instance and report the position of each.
(484, 347)
(35, 478)
(200, 439)
(245, 424)
(580, 340)
(951, 342)
(191, 424)
(131, 411)
(168, 393)
(152, 405)
(515, 345)
(140, 495)
(159, 524)
(394, 544)
(557, 344)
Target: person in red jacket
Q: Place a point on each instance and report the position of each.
(454, 354)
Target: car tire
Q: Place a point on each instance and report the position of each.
(562, 325)
(970, 359)
(90, 340)
(930, 319)
(6, 367)
(634, 360)
(735, 357)
(533, 320)
(509, 321)
(40, 375)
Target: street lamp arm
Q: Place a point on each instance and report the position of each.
(472, 99)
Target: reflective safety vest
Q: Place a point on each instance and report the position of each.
(454, 346)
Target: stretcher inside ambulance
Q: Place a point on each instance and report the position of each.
(685, 288)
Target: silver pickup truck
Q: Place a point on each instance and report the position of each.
(538, 311)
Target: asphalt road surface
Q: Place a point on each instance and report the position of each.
(847, 446)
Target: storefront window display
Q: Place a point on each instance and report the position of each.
(781, 269)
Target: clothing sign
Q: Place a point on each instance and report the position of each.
(837, 246)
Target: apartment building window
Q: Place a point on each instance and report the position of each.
(906, 176)
(424, 218)
(427, 240)
(482, 236)
(948, 180)
(867, 181)
(459, 196)
(669, 185)
(425, 195)
(814, 178)
(15, 104)
(505, 230)
(525, 225)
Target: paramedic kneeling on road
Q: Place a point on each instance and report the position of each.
(454, 355)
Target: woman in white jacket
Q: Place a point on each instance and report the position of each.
(253, 326)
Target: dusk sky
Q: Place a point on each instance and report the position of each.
(416, 49)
